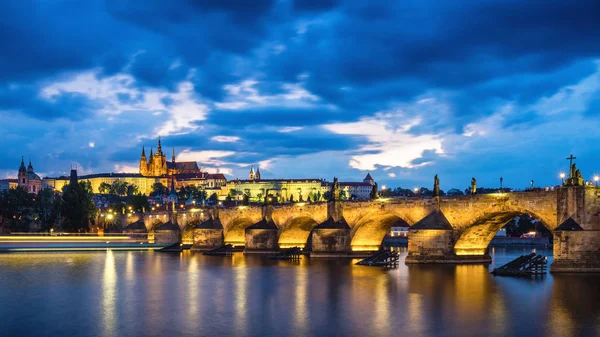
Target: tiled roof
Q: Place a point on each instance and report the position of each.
(216, 176)
(167, 226)
(263, 224)
(135, 226)
(210, 224)
(184, 166)
(355, 184)
(435, 220)
(330, 224)
(569, 225)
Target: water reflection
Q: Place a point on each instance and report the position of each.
(109, 295)
(152, 294)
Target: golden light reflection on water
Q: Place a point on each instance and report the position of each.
(109, 295)
(193, 301)
(300, 301)
(240, 280)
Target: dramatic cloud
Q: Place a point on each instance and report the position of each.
(305, 88)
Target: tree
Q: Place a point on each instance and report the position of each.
(373, 194)
(17, 209)
(105, 188)
(213, 199)
(77, 208)
(319, 196)
(47, 207)
(132, 190)
(139, 203)
(159, 189)
(291, 198)
(119, 187)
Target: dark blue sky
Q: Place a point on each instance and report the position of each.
(401, 89)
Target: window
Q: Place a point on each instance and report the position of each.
(23, 180)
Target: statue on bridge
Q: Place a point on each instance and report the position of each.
(575, 178)
(473, 186)
(436, 186)
(335, 191)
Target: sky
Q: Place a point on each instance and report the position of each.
(305, 89)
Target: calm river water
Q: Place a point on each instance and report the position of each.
(161, 294)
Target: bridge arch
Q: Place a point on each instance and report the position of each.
(475, 239)
(234, 231)
(369, 231)
(295, 232)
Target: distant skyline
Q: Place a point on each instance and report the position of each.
(305, 89)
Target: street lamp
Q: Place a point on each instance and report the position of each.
(596, 178)
(562, 177)
(416, 190)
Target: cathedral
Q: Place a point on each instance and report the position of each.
(157, 165)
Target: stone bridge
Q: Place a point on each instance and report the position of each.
(474, 218)
(442, 230)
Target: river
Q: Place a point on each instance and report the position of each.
(160, 294)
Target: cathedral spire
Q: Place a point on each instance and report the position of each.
(252, 172)
(257, 174)
(22, 167)
(30, 167)
(143, 152)
(173, 157)
(159, 149)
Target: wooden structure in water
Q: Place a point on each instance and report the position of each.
(174, 248)
(382, 258)
(288, 254)
(524, 266)
(226, 250)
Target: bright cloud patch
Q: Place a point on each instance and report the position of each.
(205, 157)
(390, 142)
(225, 139)
(246, 95)
(119, 94)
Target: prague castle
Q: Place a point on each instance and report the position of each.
(173, 174)
(156, 165)
(152, 170)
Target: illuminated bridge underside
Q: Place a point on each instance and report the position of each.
(296, 232)
(476, 239)
(370, 231)
(235, 234)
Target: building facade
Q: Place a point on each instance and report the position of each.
(297, 190)
(28, 179)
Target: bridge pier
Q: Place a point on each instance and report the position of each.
(208, 235)
(261, 238)
(431, 240)
(576, 243)
(331, 238)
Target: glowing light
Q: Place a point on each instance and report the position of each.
(109, 216)
(300, 204)
(383, 187)
(242, 207)
(596, 178)
(60, 238)
(416, 190)
(562, 175)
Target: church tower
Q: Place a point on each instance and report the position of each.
(252, 173)
(257, 174)
(23, 176)
(143, 163)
